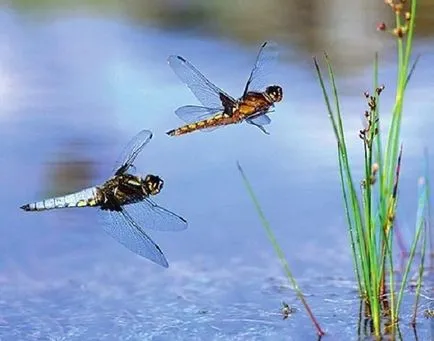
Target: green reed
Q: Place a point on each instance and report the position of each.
(420, 273)
(423, 218)
(371, 204)
(279, 251)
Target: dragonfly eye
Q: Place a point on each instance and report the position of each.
(153, 184)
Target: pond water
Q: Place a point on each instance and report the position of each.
(76, 88)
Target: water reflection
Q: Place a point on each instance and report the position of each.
(76, 88)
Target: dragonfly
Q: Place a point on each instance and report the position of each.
(125, 203)
(220, 109)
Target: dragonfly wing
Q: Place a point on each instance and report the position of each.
(148, 214)
(263, 68)
(260, 120)
(122, 227)
(133, 148)
(206, 92)
(193, 113)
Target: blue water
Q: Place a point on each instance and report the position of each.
(73, 91)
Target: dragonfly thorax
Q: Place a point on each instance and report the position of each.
(274, 93)
(152, 184)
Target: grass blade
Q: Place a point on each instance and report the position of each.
(278, 250)
(420, 225)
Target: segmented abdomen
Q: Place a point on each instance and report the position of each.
(86, 197)
(215, 121)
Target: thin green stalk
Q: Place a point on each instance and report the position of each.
(403, 63)
(379, 148)
(420, 223)
(420, 277)
(350, 228)
(389, 233)
(429, 216)
(412, 69)
(278, 250)
(410, 33)
(426, 235)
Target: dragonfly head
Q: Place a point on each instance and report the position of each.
(274, 92)
(152, 184)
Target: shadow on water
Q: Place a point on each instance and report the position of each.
(75, 87)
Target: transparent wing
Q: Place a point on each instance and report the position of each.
(129, 154)
(193, 113)
(122, 227)
(205, 91)
(148, 214)
(260, 120)
(263, 69)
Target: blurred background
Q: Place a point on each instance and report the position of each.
(78, 79)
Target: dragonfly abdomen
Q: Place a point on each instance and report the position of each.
(86, 197)
(217, 120)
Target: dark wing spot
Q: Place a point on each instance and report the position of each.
(181, 58)
(122, 170)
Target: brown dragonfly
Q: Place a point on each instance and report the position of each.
(220, 109)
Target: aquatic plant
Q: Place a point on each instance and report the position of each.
(371, 205)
